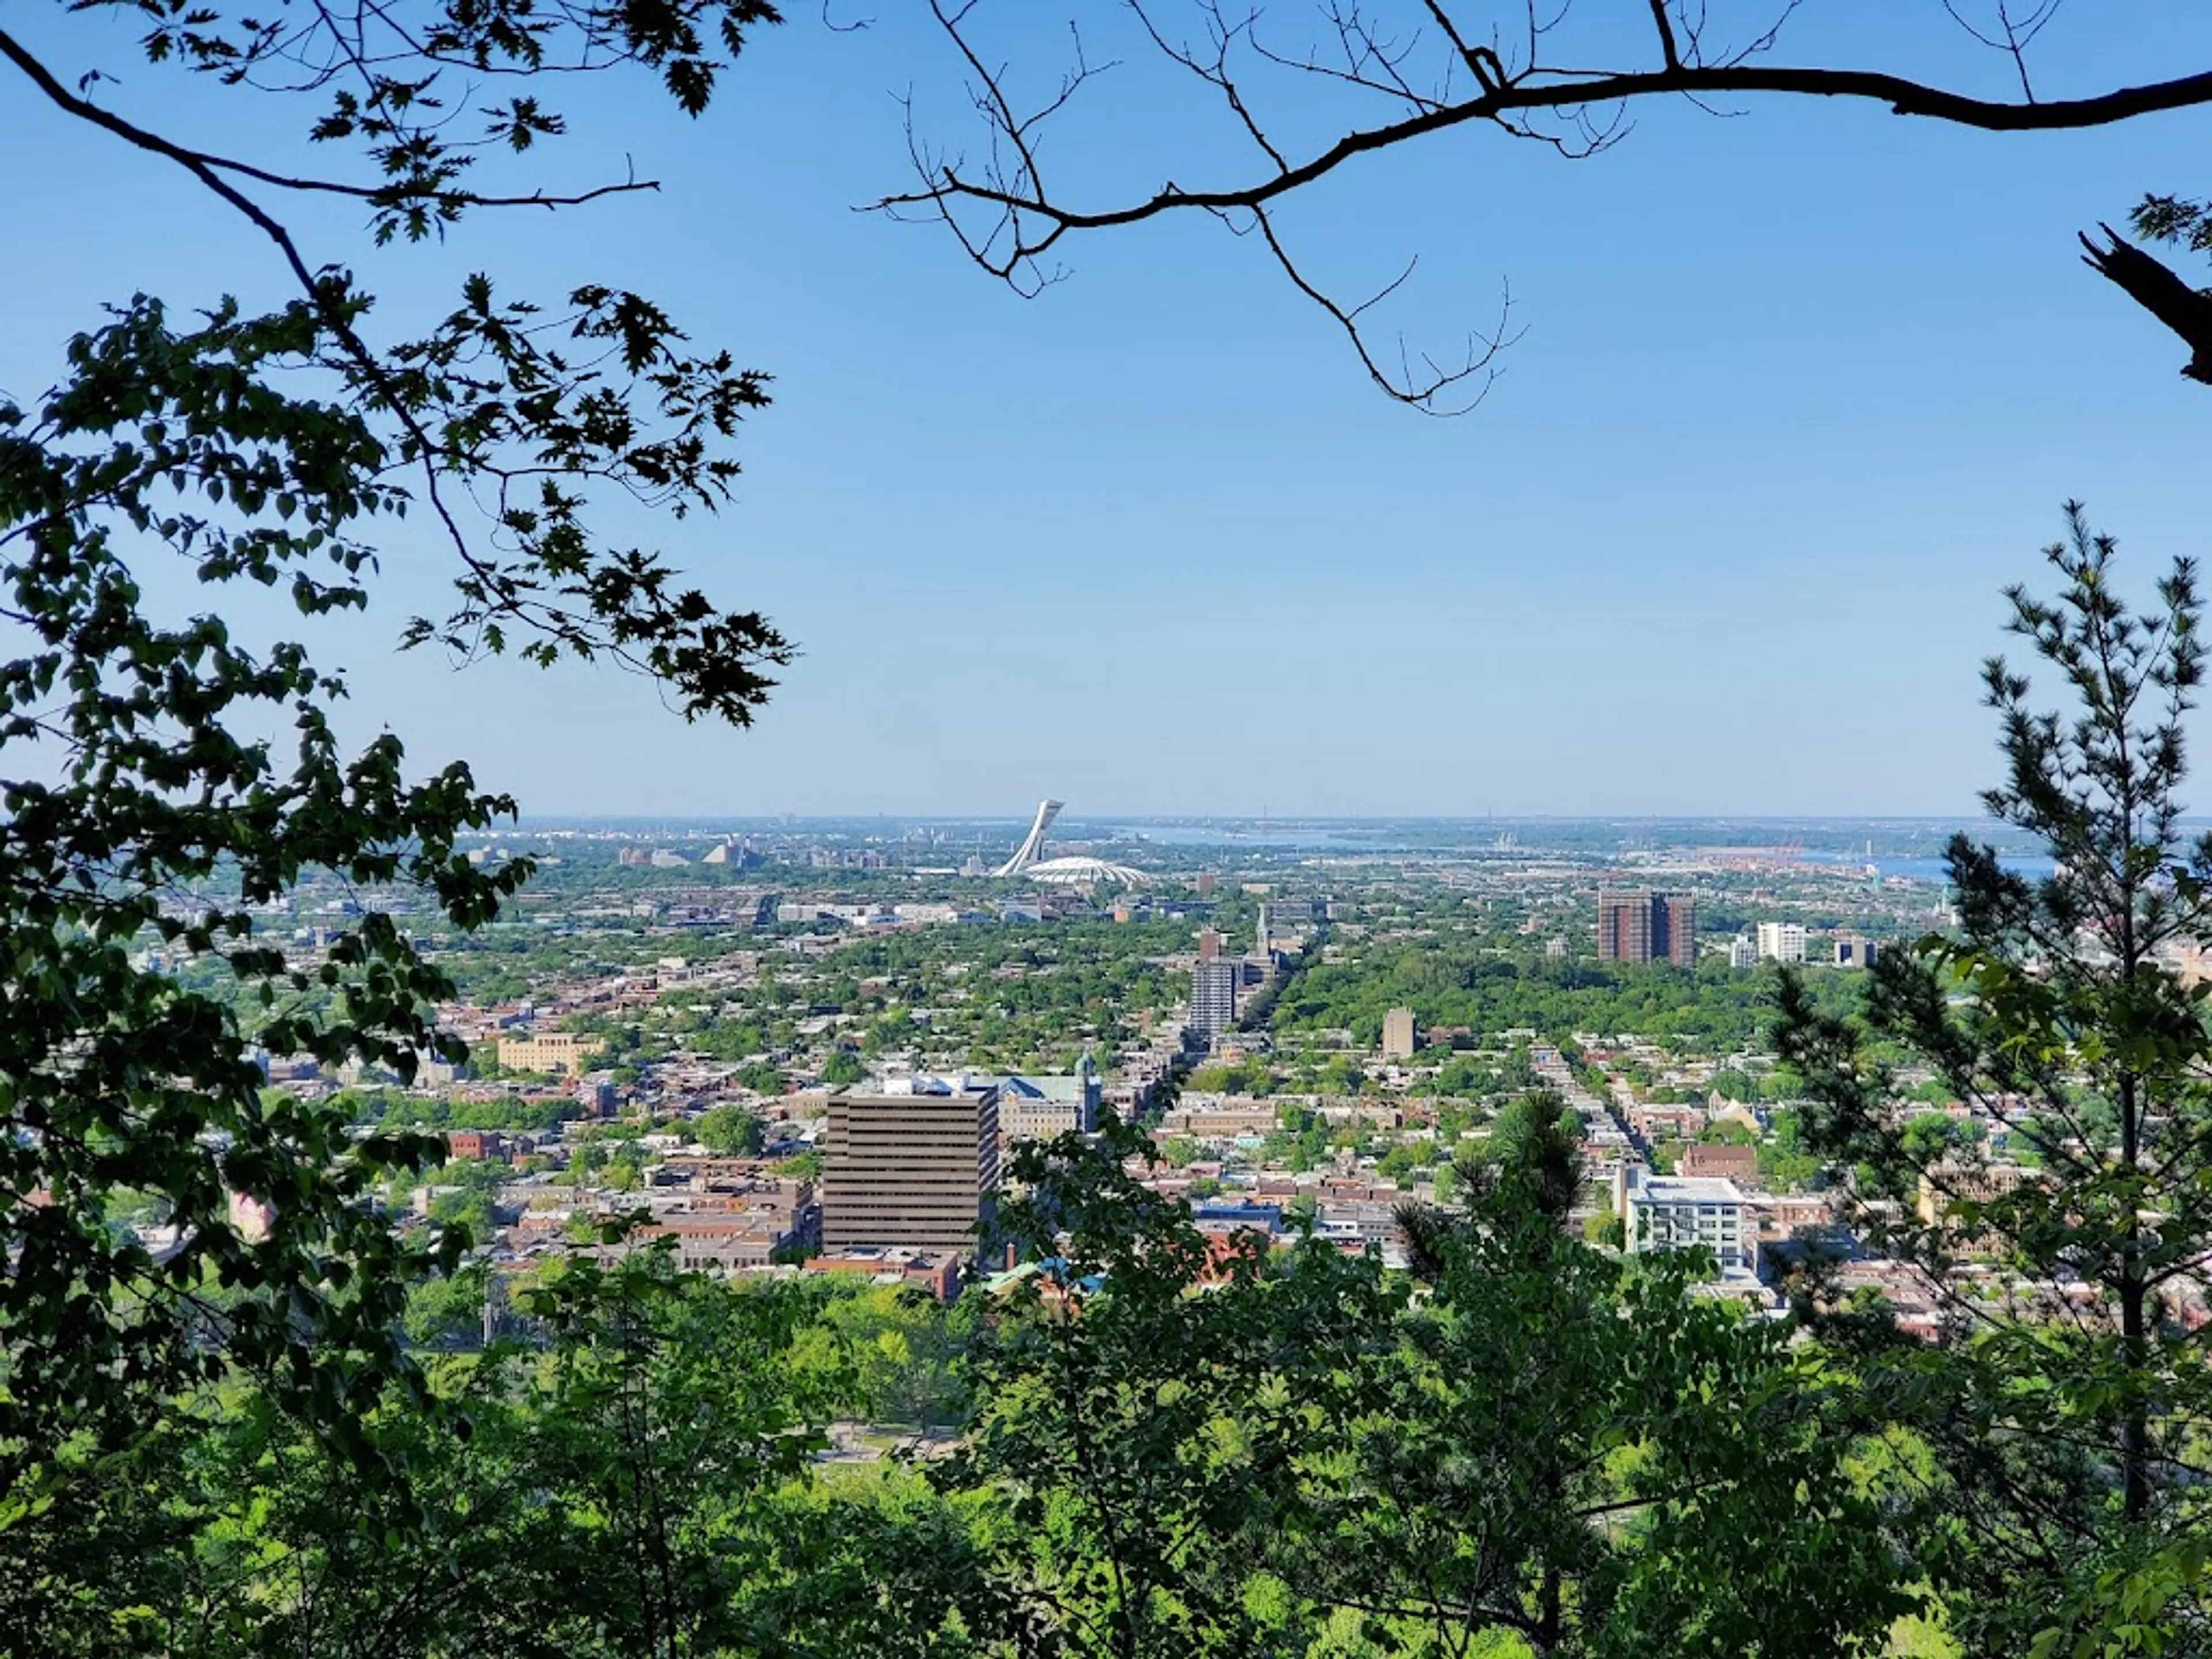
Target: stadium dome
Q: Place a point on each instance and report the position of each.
(1085, 873)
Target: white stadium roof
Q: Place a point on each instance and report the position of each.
(1084, 872)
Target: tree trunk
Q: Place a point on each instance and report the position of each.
(2135, 1427)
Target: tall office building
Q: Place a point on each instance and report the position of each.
(915, 1170)
(1642, 925)
(1213, 995)
(1400, 1036)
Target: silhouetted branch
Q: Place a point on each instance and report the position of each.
(2153, 286)
(1441, 74)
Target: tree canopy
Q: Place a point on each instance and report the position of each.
(150, 811)
(2067, 1412)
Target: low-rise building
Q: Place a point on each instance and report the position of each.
(1855, 950)
(1674, 1212)
(554, 1053)
(1043, 1105)
(1703, 1160)
(937, 1273)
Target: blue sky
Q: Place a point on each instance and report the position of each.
(1799, 392)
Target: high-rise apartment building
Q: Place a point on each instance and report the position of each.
(913, 1170)
(1209, 945)
(1642, 925)
(1781, 941)
(1400, 1035)
(1213, 995)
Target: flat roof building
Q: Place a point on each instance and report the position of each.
(561, 1053)
(1641, 925)
(1674, 1213)
(1781, 941)
(914, 1170)
(1041, 1106)
(1213, 983)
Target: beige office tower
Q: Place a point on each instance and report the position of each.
(910, 1171)
(1399, 1036)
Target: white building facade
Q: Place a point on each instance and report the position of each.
(1781, 941)
(1675, 1213)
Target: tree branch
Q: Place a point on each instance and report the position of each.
(1903, 97)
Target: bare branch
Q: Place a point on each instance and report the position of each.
(1668, 51)
(1007, 215)
(1427, 389)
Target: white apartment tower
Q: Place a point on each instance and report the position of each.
(1781, 941)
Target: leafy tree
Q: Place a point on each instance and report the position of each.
(1123, 1450)
(617, 1490)
(1781, 1082)
(1552, 1451)
(1447, 1184)
(729, 1129)
(1730, 1083)
(2068, 1427)
(1786, 1163)
(844, 1067)
(466, 1210)
(448, 1311)
(905, 1349)
(147, 800)
(1930, 1137)
(1532, 1156)
(1399, 1161)
(1594, 1451)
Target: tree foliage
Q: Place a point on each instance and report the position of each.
(149, 808)
(1187, 1444)
(2068, 1414)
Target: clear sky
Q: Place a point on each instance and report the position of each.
(1800, 392)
